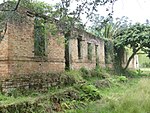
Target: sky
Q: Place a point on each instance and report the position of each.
(136, 10)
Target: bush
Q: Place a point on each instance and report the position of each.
(97, 72)
(134, 73)
(85, 73)
(73, 75)
(122, 79)
(90, 92)
(146, 65)
(102, 83)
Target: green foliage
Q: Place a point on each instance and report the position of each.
(68, 19)
(139, 72)
(88, 92)
(34, 5)
(146, 71)
(99, 73)
(13, 92)
(109, 52)
(129, 100)
(85, 72)
(146, 65)
(106, 83)
(132, 102)
(96, 72)
(39, 37)
(68, 105)
(90, 50)
(106, 28)
(135, 36)
(7, 13)
(144, 61)
(77, 93)
(75, 76)
(122, 78)
(122, 34)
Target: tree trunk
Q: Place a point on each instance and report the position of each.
(130, 58)
(117, 63)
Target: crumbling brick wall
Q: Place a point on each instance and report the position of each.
(3, 55)
(76, 62)
(21, 53)
(17, 51)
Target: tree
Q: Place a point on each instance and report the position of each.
(136, 37)
(106, 28)
(62, 11)
(122, 34)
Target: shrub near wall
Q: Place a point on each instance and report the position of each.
(71, 92)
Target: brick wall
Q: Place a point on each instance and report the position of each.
(77, 63)
(17, 51)
(36, 82)
(21, 40)
(101, 53)
(56, 48)
(4, 56)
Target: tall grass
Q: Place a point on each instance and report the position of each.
(134, 100)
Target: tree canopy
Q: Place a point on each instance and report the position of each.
(122, 34)
(136, 37)
(68, 17)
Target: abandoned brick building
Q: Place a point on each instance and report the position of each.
(20, 52)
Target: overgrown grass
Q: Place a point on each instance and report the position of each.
(144, 61)
(145, 71)
(97, 91)
(133, 100)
